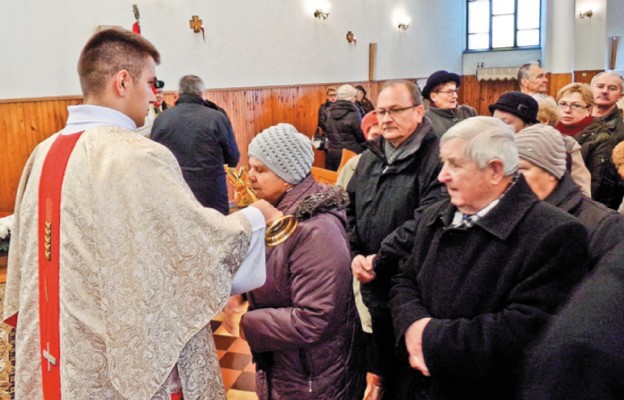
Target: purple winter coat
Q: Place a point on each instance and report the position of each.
(302, 324)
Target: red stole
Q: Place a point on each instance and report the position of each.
(50, 187)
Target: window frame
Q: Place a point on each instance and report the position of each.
(515, 35)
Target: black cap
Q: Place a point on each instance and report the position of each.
(519, 104)
(438, 78)
(158, 84)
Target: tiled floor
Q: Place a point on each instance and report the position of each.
(236, 367)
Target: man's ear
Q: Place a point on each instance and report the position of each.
(121, 79)
(498, 170)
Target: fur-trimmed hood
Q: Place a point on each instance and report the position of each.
(308, 199)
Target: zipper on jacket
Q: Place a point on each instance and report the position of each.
(306, 364)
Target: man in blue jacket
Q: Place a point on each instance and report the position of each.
(200, 136)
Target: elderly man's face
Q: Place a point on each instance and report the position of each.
(607, 90)
(537, 82)
(397, 114)
(469, 187)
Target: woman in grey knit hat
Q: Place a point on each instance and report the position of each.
(301, 325)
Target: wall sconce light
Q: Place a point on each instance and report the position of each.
(321, 14)
(351, 38)
(404, 23)
(587, 14)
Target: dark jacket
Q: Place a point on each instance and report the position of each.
(383, 196)
(343, 131)
(614, 122)
(596, 147)
(366, 105)
(202, 140)
(443, 118)
(323, 114)
(490, 290)
(604, 225)
(581, 356)
(302, 323)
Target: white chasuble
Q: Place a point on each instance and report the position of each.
(143, 269)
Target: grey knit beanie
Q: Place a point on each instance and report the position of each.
(284, 151)
(543, 146)
(346, 92)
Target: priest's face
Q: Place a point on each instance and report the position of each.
(265, 183)
(140, 93)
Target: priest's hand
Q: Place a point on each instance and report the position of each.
(362, 268)
(231, 314)
(413, 343)
(269, 212)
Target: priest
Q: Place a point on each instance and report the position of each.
(115, 270)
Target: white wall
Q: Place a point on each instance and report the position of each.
(615, 27)
(248, 42)
(590, 34)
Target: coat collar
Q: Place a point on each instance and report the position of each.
(425, 129)
(288, 203)
(566, 195)
(502, 219)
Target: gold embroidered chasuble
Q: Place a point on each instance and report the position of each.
(143, 269)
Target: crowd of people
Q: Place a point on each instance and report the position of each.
(460, 256)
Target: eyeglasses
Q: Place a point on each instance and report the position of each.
(381, 113)
(447, 92)
(573, 106)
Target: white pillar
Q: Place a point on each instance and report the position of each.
(558, 40)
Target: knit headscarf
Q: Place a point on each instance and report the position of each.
(543, 146)
(284, 151)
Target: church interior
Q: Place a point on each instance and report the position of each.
(270, 61)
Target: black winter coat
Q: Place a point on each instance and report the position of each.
(202, 140)
(490, 289)
(384, 196)
(343, 131)
(604, 225)
(581, 356)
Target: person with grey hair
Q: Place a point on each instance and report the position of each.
(543, 164)
(488, 270)
(343, 127)
(608, 89)
(201, 138)
(393, 180)
(532, 78)
(302, 325)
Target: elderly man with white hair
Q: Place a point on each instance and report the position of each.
(489, 269)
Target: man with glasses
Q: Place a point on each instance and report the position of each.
(532, 79)
(608, 89)
(395, 176)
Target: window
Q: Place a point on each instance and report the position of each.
(500, 24)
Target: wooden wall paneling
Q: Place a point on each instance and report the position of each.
(557, 81)
(585, 76)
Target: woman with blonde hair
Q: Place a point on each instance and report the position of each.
(575, 102)
(548, 114)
